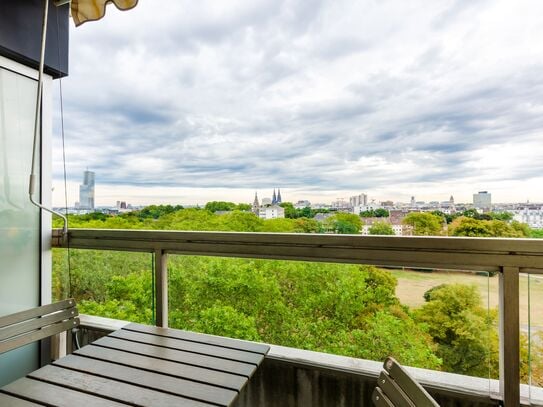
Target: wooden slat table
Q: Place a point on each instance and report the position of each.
(144, 366)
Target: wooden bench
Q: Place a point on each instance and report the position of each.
(395, 387)
(38, 323)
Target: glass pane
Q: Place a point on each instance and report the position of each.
(106, 283)
(434, 319)
(19, 219)
(531, 325)
(461, 310)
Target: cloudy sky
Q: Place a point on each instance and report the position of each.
(183, 102)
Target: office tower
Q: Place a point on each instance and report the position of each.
(358, 200)
(482, 200)
(86, 191)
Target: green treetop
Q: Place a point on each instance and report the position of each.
(344, 223)
(424, 223)
(381, 228)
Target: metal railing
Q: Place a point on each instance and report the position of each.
(507, 257)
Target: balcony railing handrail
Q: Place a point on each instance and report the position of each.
(508, 257)
(479, 254)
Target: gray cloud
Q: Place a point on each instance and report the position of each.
(309, 95)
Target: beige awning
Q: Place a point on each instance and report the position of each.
(91, 10)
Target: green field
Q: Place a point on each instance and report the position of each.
(413, 284)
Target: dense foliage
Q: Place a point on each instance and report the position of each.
(463, 330)
(350, 310)
(474, 214)
(424, 223)
(293, 213)
(216, 206)
(343, 223)
(375, 213)
(381, 228)
(464, 226)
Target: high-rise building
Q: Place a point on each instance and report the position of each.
(482, 200)
(86, 191)
(358, 200)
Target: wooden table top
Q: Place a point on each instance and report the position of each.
(145, 366)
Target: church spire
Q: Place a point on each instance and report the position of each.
(274, 198)
(279, 196)
(256, 204)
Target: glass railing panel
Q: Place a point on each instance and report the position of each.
(438, 320)
(531, 335)
(460, 309)
(106, 283)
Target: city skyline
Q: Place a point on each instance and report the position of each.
(217, 100)
(107, 196)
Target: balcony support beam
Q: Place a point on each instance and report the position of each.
(509, 336)
(161, 287)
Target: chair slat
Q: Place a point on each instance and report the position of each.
(393, 391)
(417, 394)
(36, 335)
(32, 324)
(35, 312)
(379, 399)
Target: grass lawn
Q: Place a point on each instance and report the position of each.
(413, 284)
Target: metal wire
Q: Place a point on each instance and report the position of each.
(61, 99)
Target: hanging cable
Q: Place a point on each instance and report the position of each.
(61, 99)
(37, 127)
(153, 287)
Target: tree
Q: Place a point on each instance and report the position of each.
(225, 320)
(381, 213)
(156, 211)
(381, 228)
(522, 228)
(463, 330)
(279, 225)
(290, 211)
(344, 223)
(306, 212)
(215, 206)
(293, 213)
(470, 213)
(375, 213)
(306, 225)
(464, 226)
(448, 218)
(237, 221)
(505, 216)
(424, 223)
(243, 207)
(189, 219)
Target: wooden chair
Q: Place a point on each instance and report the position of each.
(39, 323)
(396, 388)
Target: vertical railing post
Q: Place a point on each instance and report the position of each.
(509, 336)
(161, 287)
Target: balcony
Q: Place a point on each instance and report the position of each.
(296, 377)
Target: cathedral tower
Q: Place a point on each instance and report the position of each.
(256, 204)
